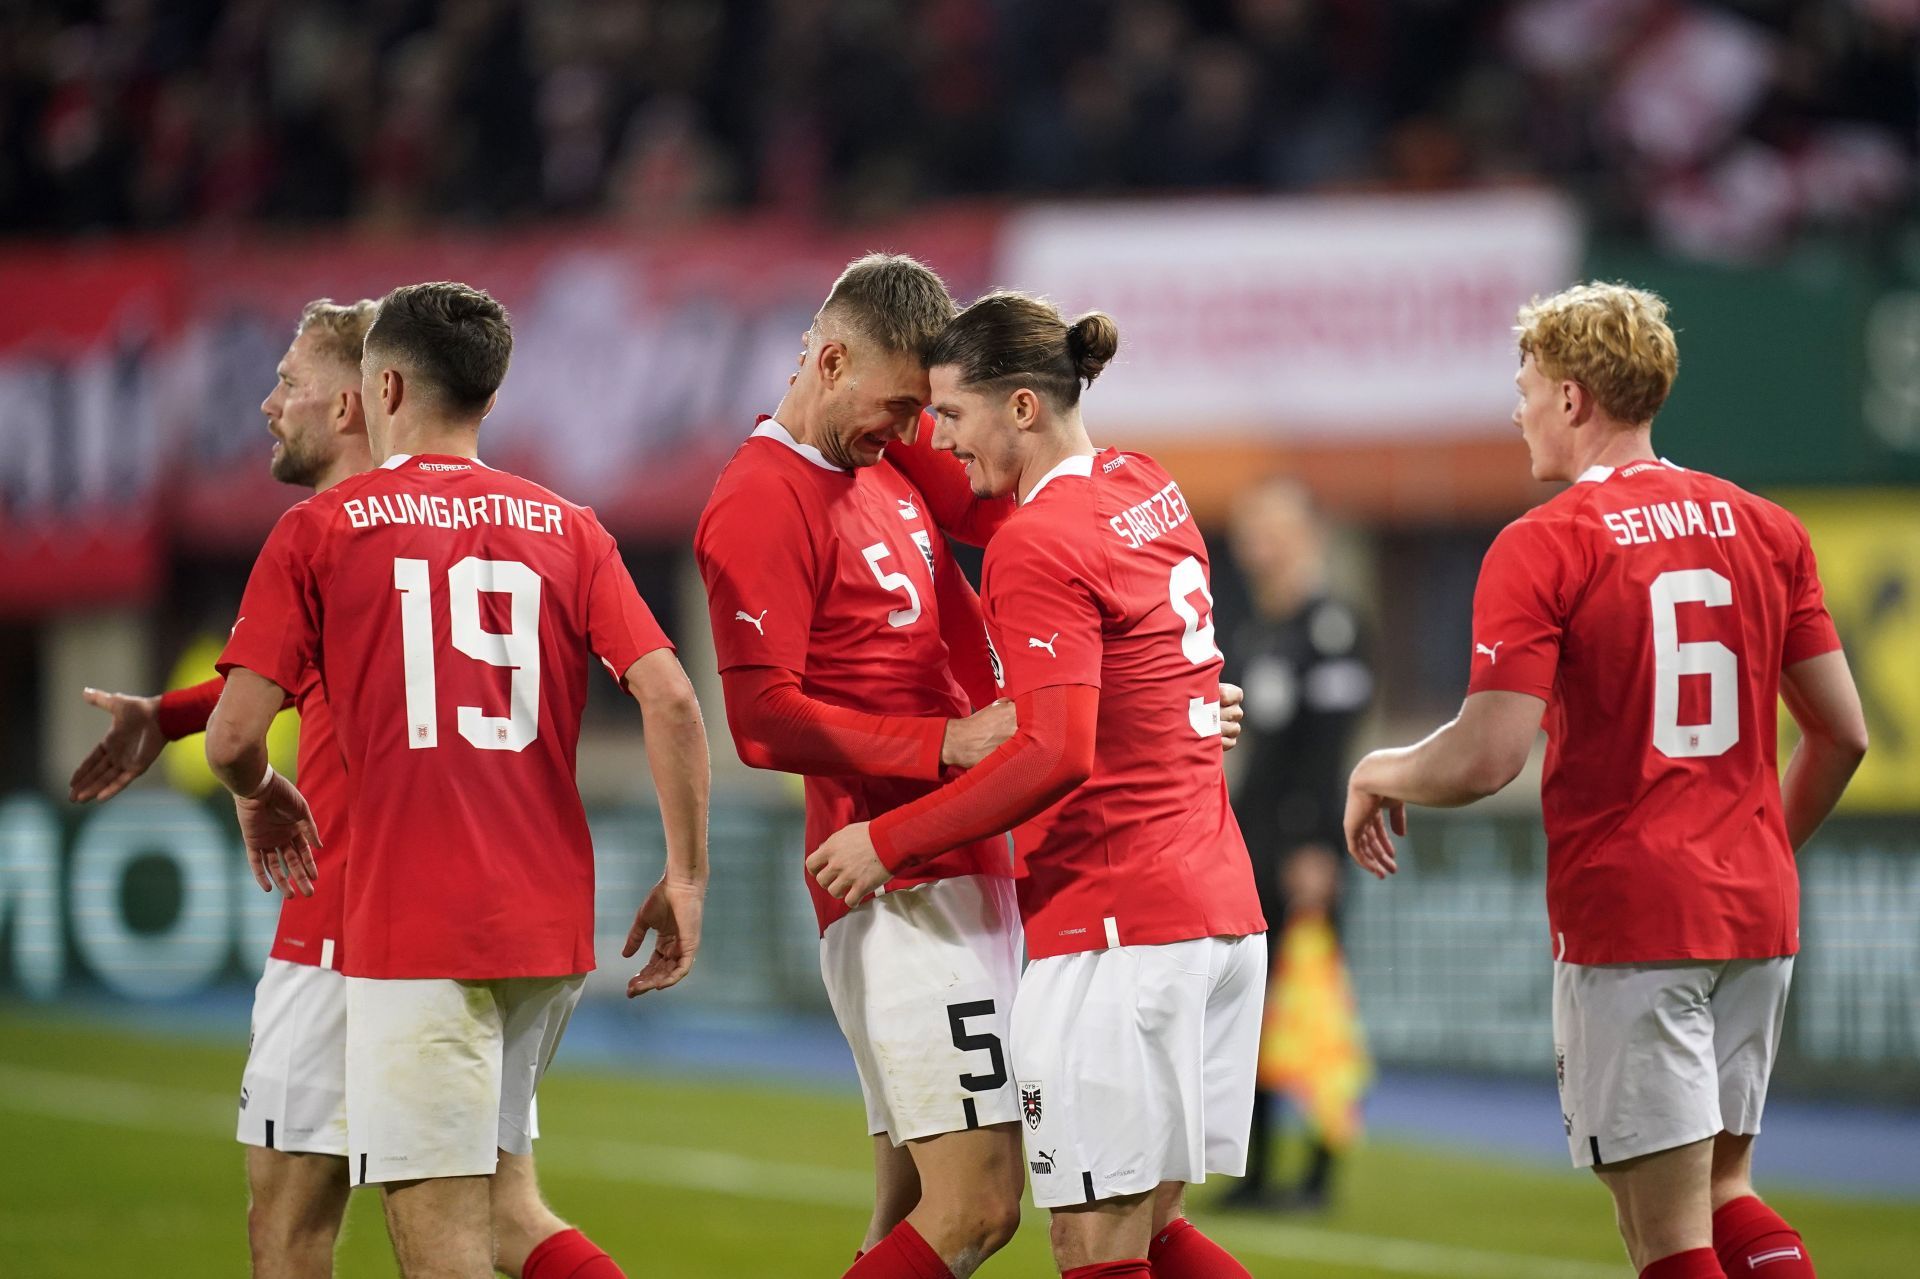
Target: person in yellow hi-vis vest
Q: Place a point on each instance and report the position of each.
(1302, 659)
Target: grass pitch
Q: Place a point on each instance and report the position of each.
(117, 1158)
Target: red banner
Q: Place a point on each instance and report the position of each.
(131, 375)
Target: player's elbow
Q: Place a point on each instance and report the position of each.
(227, 745)
(1492, 769)
(748, 741)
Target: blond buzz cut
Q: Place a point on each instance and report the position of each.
(897, 302)
(339, 329)
(1612, 339)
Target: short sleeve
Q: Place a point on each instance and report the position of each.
(757, 559)
(1810, 629)
(620, 626)
(1043, 610)
(278, 630)
(1519, 611)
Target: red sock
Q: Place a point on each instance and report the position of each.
(903, 1254)
(1182, 1252)
(1695, 1263)
(1752, 1240)
(1137, 1268)
(569, 1255)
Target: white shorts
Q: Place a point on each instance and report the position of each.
(1136, 1065)
(293, 1093)
(922, 981)
(441, 1073)
(1654, 1056)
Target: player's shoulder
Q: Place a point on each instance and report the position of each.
(761, 471)
(1770, 514)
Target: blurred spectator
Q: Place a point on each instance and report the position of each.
(1302, 660)
(1724, 127)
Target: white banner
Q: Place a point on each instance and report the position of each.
(1311, 320)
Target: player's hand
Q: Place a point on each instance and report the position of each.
(846, 865)
(1366, 824)
(970, 740)
(1233, 710)
(280, 836)
(672, 912)
(132, 743)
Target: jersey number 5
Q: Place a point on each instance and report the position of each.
(518, 649)
(1672, 659)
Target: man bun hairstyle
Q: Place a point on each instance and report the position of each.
(455, 338)
(1612, 339)
(896, 302)
(1006, 340)
(339, 329)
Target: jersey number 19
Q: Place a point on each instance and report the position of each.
(517, 648)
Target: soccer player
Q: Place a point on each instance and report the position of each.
(293, 1103)
(449, 610)
(1137, 1020)
(1653, 615)
(851, 651)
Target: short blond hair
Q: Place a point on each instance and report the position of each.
(340, 330)
(899, 303)
(1612, 339)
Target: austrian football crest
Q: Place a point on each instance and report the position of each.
(1030, 1104)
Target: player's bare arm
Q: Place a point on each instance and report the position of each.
(1468, 758)
(275, 821)
(132, 742)
(676, 739)
(1821, 697)
(970, 740)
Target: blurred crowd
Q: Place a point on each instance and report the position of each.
(1722, 126)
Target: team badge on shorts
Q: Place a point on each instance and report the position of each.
(1030, 1104)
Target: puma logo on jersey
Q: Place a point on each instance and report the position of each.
(1045, 643)
(908, 511)
(741, 615)
(1493, 654)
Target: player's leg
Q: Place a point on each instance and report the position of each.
(1107, 1239)
(896, 1189)
(424, 1088)
(1749, 1008)
(295, 1205)
(1230, 1046)
(1641, 1100)
(441, 1227)
(922, 984)
(1664, 1209)
(293, 1120)
(969, 1194)
(530, 1240)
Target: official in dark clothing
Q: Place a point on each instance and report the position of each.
(1302, 658)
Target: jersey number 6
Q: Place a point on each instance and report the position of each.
(1672, 659)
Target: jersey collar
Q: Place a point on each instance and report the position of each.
(1080, 464)
(1600, 474)
(771, 429)
(399, 460)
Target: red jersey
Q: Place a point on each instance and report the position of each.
(1653, 609)
(450, 610)
(309, 927)
(842, 577)
(1100, 578)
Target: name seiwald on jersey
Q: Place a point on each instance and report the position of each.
(452, 611)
